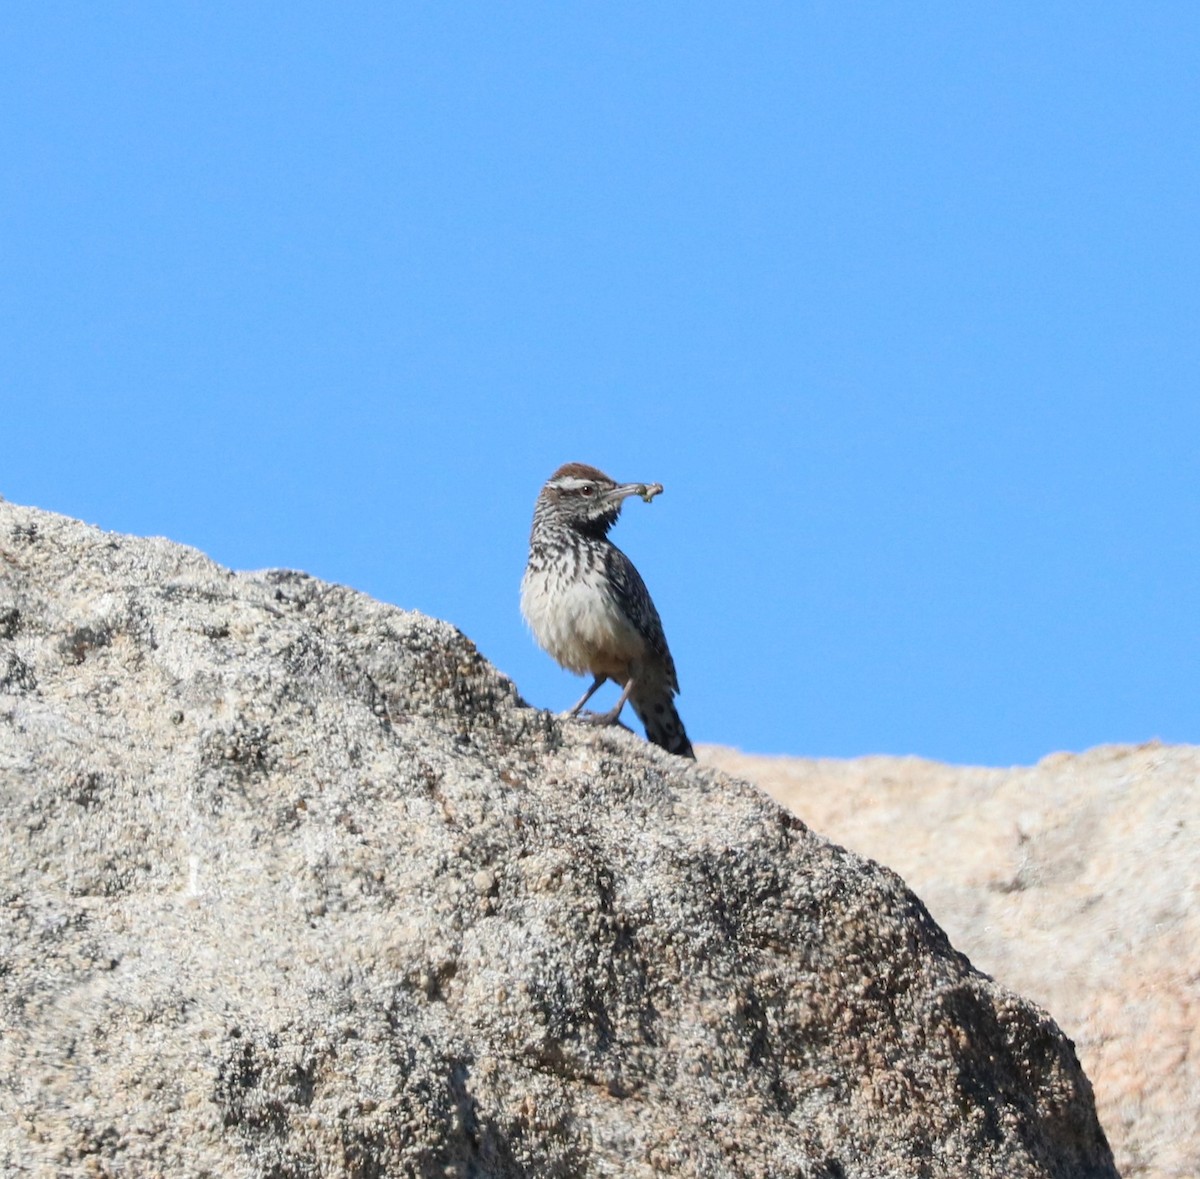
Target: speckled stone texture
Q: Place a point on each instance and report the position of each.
(1076, 881)
(294, 884)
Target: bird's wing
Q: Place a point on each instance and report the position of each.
(634, 598)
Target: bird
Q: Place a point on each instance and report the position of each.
(589, 608)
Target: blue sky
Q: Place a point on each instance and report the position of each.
(899, 301)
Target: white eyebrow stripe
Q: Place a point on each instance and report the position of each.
(571, 483)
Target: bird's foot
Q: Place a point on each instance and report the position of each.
(604, 719)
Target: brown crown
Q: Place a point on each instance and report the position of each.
(579, 471)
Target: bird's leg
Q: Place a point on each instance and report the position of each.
(612, 716)
(596, 684)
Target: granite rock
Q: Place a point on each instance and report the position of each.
(1075, 881)
(294, 884)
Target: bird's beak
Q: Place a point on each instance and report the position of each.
(622, 492)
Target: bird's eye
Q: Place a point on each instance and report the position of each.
(586, 491)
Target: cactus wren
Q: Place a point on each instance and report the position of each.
(588, 606)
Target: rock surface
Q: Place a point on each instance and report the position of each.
(293, 884)
(1075, 881)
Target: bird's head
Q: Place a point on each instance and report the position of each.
(585, 498)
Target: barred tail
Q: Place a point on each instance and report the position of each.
(656, 710)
